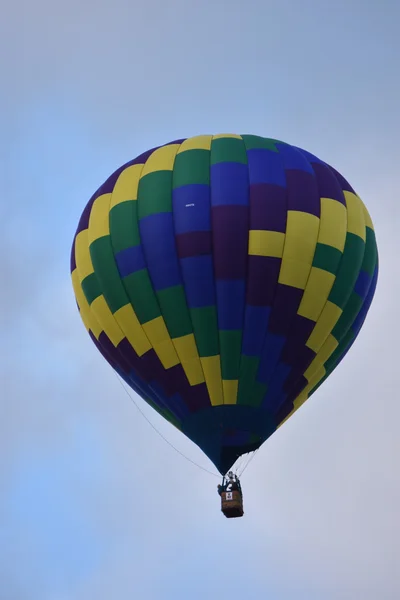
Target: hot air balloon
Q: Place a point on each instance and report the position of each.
(224, 277)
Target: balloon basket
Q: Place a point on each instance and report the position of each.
(232, 504)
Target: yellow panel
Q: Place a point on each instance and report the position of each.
(199, 142)
(158, 335)
(301, 398)
(82, 255)
(89, 320)
(266, 243)
(326, 351)
(294, 273)
(227, 135)
(230, 387)
(301, 236)
(355, 215)
(333, 225)
(315, 380)
(161, 160)
(367, 217)
(315, 295)
(129, 323)
(326, 322)
(99, 224)
(187, 351)
(101, 310)
(126, 186)
(212, 372)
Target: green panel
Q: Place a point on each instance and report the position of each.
(167, 414)
(91, 287)
(231, 344)
(205, 327)
(253, 142)
(124, 228)
(348, 271)
(348, 316)
(154, 194)
(371, 252)
(174, 310)
(105, 267)
(250, 392)
(228, 150)
(254, 438)
(142, 296)
(192, 166)
(327, 258)
(344, 345)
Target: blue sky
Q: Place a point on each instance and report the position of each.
(94, 504)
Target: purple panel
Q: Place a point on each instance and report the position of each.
(113, 353)
(302, 192)
(297, 385)
(284, 411)
(104, 353)
(300, 331)
(195, 243)
(268, 207)
(344, 184)
(262, 279)
(230, 241)
(73, 259)
(286, 303)
(328, 185)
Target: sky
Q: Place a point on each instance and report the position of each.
(94, 504)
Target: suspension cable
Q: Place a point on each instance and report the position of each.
(159, 432)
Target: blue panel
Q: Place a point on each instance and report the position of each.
(158, 241)
(294, 159)
(359, 320)
(362, 284)
(229, 184)
(230, 302)
(273, 346)
(265, 166)
(130, 260)
(198, 278)
(173, 403)
(255, 329)
(275, 395)
(191, 208)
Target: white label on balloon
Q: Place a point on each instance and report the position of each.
(229, 495)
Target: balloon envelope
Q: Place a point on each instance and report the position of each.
(224, 277)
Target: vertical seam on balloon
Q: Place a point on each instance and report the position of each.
(183, 280)
(214, 278)
(247, 267)
(277, 280)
